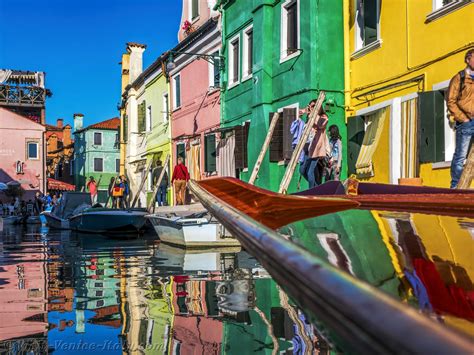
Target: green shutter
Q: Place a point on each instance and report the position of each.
(195, 9)
(431, 124)
(210, 152)
(125, 128)
(355, 136)
(141, 116)
(276, 141)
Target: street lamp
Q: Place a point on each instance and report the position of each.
(214, 59)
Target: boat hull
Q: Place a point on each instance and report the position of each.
(113, 221)
(199, 233)
(54, 222)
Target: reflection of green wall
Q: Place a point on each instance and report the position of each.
(360, 237)
(162, 317)
(240, 338)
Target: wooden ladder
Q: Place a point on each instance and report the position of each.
(290, 169)
(152, 202)
(135, 199)
(468, 172)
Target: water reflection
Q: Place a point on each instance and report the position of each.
(63, 292)
(424, 260)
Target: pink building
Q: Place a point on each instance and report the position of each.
(22, 152)
(195, 89)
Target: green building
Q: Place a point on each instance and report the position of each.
(279, 55)
(96, 153)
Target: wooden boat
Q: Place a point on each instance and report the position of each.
(194, 230)
(75, 213)
(389, 197)
(270, 208)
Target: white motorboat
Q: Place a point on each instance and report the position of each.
(195, 230)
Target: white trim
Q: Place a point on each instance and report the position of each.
(283, 31)
(332, 258)
(360, 49)
(441, 165)
(409, 97)
(165, 103)
(440, 11)
(449, 133)
(28, 150)
(370, 109)
(230, 67)
(211, 68)
(395, 141)
(190, 12)
(245, 53)
(175, 103)
(441, 85)
(148, 119)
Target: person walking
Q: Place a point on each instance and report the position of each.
(126, 192)
(318, 151)
(110, 192)
(179, 180)
(333, 170)
(92, 187)
(117, 192)
(460, 103)
(163, 187)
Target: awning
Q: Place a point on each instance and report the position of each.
(54, 184)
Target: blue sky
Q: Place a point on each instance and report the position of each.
(79, 43)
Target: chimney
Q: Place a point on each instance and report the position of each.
(136, 59)
(52, 143)
(59, 122)
(66, 135)
(78, 121)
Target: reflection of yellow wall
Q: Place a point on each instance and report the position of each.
(380, 161)
(410, 47)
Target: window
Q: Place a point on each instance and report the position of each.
(234, 61)
(148, 119)
(444, 7)
(281, 140)
(117, 165)
(367, 23)
(142, 116)
(32, 150)
(210, 153)
(290, 38)
(214, 74)
(117, 141)
(181, 151)
(241, 146)
(98, 164)
(193, 9)
(247, 56)
(165, 107)
(177, 91)
(438, 4)
(97, 138)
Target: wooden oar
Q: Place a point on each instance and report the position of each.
(270, 208)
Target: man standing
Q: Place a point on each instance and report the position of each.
(461, 106)
(179, 179)
(161, 193)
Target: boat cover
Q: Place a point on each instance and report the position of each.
(69, 202)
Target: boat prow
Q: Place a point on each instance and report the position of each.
(270, 208)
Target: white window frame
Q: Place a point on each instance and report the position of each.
(148, 119)
(211, 71)
(332, 258)
(230, 68)
(175, 103)
(190, 12)
(449, 133)
(98, 171)
(28, 150)
(284, 56)
(149, 185)
(101, 139)
(440, 10)
(165, 101)
(359, 48)
(245, 53)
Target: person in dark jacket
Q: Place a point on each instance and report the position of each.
(111, 188)
(126, 192)
(163, 187)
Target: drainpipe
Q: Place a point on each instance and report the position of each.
(347, 58)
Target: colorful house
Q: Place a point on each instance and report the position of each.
(399, 59)
(193, 69)
(22, 152)
(146, 106)
(96, 153)
(279, 56)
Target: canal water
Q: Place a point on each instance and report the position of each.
(65, 292)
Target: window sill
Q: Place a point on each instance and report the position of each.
(441, 165)
(232, 85)
(290, 56)
(445, 10)
(245, 170)
(245, 78)
(367, 49)
(176, 108)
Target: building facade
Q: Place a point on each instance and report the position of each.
(22, 153)
(96, 153)
(195, 89)
(397, 77)
(279, 56)
(60, 153)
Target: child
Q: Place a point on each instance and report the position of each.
(333, 170)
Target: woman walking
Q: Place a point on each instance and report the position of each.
(318, 151)
(180, 179)
(92, 187)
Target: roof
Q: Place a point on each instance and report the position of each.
(112, 124)
(4, 110)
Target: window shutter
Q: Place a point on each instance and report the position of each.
(355, 136)
(241, 140)
(210, 152)
(276, 142)
(141, 116)
(431, 136)
(235, 54)
(245, 143)
(289, 115)
(177, 83)
(125, 128)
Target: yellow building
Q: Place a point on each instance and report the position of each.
(400, 56)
